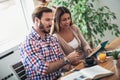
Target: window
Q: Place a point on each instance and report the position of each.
(13, 23)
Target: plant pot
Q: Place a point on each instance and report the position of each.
(116, 63)
(116, 66)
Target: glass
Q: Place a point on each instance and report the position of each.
(101, 56)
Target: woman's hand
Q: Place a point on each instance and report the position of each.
(90, 50)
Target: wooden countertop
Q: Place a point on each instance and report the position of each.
(108, 65)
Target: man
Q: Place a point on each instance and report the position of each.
(41, 53)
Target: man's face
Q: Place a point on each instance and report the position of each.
(46, 22)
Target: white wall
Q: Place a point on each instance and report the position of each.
(7, 59)
(36, 2)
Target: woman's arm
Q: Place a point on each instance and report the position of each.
(84, 43)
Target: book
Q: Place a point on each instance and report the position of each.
(99, 48)
(94, 72)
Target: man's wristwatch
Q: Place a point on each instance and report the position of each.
(66, 60)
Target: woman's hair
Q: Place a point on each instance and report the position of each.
(59, 12)
(38, 11)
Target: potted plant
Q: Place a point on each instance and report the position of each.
(116, 60)
(92, 22)
(115, 55)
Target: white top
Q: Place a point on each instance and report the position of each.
(74, 43)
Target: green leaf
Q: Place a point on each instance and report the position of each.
(115, 55)
(91, 21)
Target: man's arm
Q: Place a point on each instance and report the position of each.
(53, 66)
(72, 57)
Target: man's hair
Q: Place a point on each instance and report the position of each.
(59, 12)
(38, 11)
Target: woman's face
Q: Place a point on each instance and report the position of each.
(65, 20)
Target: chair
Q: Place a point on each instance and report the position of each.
(19, 70)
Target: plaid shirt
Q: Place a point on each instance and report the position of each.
(37, 53)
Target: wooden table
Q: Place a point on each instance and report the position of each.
(108, 65)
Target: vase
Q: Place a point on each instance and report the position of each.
(115, 66)
(117, 63)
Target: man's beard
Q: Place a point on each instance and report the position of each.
(42, 28)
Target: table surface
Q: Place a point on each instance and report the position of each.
(108, 64)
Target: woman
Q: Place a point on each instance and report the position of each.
(68, 34)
